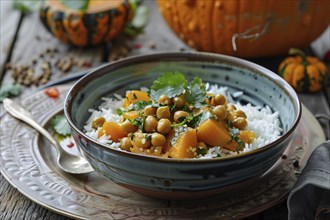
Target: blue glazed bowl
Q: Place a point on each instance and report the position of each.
(181, 178)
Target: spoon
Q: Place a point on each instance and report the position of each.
(67, 162)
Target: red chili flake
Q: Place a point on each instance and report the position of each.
(87, 64)
(70, 145)
(137, 46)
(52, 92)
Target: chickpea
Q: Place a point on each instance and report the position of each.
(220, 111)
(231, 107)
(209, 99)
(219, 99)
(148, 110)
(125, 143)
(240, 123)
(240, 113)
(158, 139)
(128, 127)
(178, 115)
(163, 112)
(179, 101)
(150, 124)
(231, 116)
(98, 122)
(164, 126)
(165, 100)
(140, 140)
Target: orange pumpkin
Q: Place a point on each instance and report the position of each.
(246, 28)
(100, 22)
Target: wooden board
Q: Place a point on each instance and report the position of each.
(8, 29)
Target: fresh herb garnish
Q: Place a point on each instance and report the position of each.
(120, 111)
(139, 122)
(138, 105)
(171, 83)
(134, 96)
(198, 119)
(60, 125)
(196, 93)
(241, 144)
(174, 84)
(10, 90)
(234, 132)
(201, 151)
(148, 137)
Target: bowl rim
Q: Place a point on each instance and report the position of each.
(183, 56)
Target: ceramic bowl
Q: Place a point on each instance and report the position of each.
(181, 178)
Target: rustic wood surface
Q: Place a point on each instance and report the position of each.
(33, 39)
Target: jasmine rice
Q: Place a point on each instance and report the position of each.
(262, 121)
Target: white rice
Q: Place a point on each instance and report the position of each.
(261, 120)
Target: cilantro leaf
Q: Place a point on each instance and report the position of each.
(60, 125)
(198, 119)
(139, 105)
(196, 93)
(171, 83)
(234, 132)
(120, 111)
(201, 151)
(10, 90)
(139, 122)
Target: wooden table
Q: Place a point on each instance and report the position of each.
(24, 39)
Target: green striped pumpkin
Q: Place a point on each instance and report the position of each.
(99, 23)
(303, 73)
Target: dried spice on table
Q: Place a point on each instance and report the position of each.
(42, 67)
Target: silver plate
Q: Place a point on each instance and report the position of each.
(28, 163)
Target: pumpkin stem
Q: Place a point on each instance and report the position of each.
(296, 51)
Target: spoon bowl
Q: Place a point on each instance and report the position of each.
(67, 162)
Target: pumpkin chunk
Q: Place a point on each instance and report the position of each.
(213, 133)
(134, 96)
(131, 115)
(185, 145)
(247, 136)
(113, 129)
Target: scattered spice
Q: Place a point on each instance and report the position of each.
(296, 163)
(8, 66)
(118, 52)
(152, 45)
(43, 64)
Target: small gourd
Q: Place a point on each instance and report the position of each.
(304, 73)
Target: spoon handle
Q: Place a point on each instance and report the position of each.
(19, 112)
